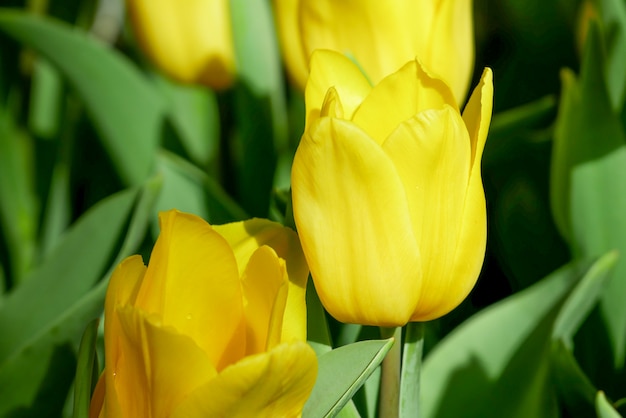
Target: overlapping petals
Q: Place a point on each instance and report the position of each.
(206, 318)
(387, 192)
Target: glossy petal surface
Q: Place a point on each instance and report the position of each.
(166, 365)
(399, 97)
(274, 384)
(331, 69)
(122, 290)
(351, 211)
(432, 155)
(265, 287)
(247, 236)
(191, 261)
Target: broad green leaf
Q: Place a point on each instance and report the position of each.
(572, 386)
(589, 179)
(123, 105)
(341, 372)
(70, 271)
(260, 109)
(86, 370)
(604, 409)
(497, 363)
(38, 380)
(63, 312)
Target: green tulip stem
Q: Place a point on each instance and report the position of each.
(411, 368)
(388, 406)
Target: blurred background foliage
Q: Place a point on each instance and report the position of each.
(94, 142)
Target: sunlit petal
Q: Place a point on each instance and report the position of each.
(351, 211)
(274, 384)
(265, 287)
(122, 291)
(247, 236)
(190, 264)
(160, 366)
(331, 69)
(399, 97)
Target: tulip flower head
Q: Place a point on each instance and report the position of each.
(387, 191)
(190, 41)
(214, 326)
(381, 36)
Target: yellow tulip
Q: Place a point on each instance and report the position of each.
(387, 191)
(381, 36)
(215, 326)
(191, 41)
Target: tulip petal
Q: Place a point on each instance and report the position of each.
(191, 281)
(274, 384)
(399, 97)
(432, 155)
(287, 23)
(444, 34)
(331, 69)
(353, 221)
(159, 367)
(265, 287)
(472, 239)
(191, 43)
(247, 236)
(96, 407)
(380, 36)
(122, 290)
(477, 116)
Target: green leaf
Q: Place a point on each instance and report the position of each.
(123, 105)
(86, 371)
(604, 409)
(46, 93)
(260, 109)
(589, 179)
(572, 385)
(497, 363)
(71, 270)
(583, 298)
(18, 203)
(341, 373)
(45, 316)
(613, 14)
(194, 113)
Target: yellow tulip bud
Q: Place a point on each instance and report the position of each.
(215, 325)
(381, 36)
(387, 191)
(190, 41)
